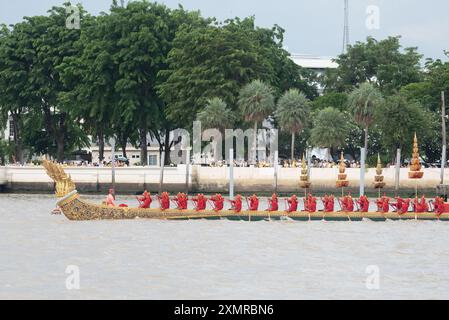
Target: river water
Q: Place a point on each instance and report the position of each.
(216, 259)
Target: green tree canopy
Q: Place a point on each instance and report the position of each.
(256, 103)
(362, 103)
(330, 129)
(292, 114)
(379, 62)
(399, 119)
(217, 115)
(337, 100)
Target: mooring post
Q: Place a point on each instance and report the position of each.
(112, 143)
(309, 162)
(362, 170)
(187, 170)
(275, 166)
(398, 171)
(161, 174)
(443, 134)
(231, 174)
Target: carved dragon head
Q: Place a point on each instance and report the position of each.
(64, 183)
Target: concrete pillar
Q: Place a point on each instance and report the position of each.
(398, 170)
(161, 174)
(362, 171)
(231, 174)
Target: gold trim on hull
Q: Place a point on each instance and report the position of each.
(74, 208)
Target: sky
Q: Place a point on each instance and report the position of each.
(312, 26)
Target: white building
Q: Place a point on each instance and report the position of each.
(315, 63)
(132, 153)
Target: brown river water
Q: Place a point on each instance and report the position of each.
(144, 259)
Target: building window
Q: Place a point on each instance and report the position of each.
(152, 160)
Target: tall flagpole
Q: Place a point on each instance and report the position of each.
(443, 134)
(346, 27)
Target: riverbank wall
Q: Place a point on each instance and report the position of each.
(207, 179)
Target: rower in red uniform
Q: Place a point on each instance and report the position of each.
(236, 204)
(363, 203)
(383, 204)
(398, 205)
(200, 202)
(439, 206)
(347, 204)
(421, 206)
(292, 203)
(329, 203)
(181, 201)
(253, 203)
(164, 200)
(273, 203)
(145, 200)
(405, 206)
(217, 202)
(310, 203)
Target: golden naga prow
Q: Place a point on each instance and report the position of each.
(64, 183)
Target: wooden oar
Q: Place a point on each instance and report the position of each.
(339, 203)
(356, 205)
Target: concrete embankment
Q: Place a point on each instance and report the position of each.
(205, 179)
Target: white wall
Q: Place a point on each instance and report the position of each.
(3, 179)
(207, 177)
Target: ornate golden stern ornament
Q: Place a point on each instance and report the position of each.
(342, 181)
(64, 183)
(304, 183)
(415, 166)
(379, 178)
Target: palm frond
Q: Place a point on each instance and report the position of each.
(293, 111)
(256, 101)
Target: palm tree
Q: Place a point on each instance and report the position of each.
(256, 103)
(362, 102)
(330, 129)
(216, 114)
(292, 113)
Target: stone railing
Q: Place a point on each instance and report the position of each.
(204, 179)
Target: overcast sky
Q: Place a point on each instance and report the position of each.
(312, 26)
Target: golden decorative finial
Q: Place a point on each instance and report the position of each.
(415, 165)
(342, 181)
(379, 178)
(304, 183)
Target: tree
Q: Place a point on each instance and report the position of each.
(337, 100)
(292, 114)
(216, 59)
(362, 103)
(43, 42)
(90, 79)
(217, 115)
(330, 129)
(399, 119)
(15, 62)
(382, 63)
(205, 62)
(256, 103)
